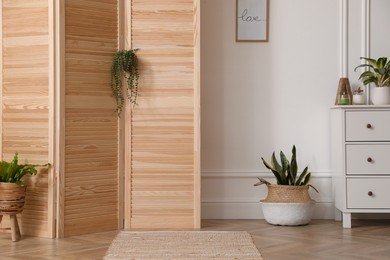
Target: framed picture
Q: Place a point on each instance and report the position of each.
(252, 20)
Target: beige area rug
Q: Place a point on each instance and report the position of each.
(183, 245)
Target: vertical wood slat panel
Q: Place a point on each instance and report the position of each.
(91, 125)
(1, 80)
(197, 134)
(125, 32)
(60, 114)
(165, 134)
(26, 104)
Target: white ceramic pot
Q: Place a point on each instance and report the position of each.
(287, 214)
(380, 95)
(358, 99)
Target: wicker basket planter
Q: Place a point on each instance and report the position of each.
(288, 194)
(287, 205)
(12, 197)
(288, 202)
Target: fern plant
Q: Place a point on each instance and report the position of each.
(378, 73)
(124, 66)
(13, 171)
(285, 172)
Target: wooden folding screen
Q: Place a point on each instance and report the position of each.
(57, 107)
(163, 178)
(90, 138)
(27, 104)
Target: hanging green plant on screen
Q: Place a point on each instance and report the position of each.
(124, 65)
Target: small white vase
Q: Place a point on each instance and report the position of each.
(358, 99)
(380, 95)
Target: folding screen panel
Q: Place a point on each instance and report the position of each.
(57, 107)
(27, 104)
(90, 155)
(163, 177)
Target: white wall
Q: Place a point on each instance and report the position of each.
(373, 42)
(379, 25)
(261, 97)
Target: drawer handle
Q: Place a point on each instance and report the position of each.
(369, 159)
(370, 193)
(369, 125)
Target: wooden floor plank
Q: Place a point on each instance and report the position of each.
(322, 239)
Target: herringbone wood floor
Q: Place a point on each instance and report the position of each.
(319, 240)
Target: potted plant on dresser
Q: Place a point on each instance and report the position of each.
(288, 202)
(13, 191)
(378, 73)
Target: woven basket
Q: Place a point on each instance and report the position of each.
(12, 198)
(288, 194)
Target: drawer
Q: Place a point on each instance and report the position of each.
(359, 190)
(368, 159)
(367, 125)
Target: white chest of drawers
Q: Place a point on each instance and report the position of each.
(360, 155)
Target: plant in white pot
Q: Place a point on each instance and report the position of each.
(288, 202)
(378, 73)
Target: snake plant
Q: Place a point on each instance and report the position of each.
(378, 73)
(285, 172)
(13, 171)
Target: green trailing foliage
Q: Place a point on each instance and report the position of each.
(13, 171)
(124, 65)
(286, 172)
(378, 72)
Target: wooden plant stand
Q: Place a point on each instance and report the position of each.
(14, 229)
(12, 197)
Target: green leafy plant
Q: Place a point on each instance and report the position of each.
(286, 172)
(124, 65)
(378, 73)
(13, 171)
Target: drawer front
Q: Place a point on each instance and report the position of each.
(371, 193)
(367, 125)
(368, 159)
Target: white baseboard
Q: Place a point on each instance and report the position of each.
(231, 195)
(252, 210)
